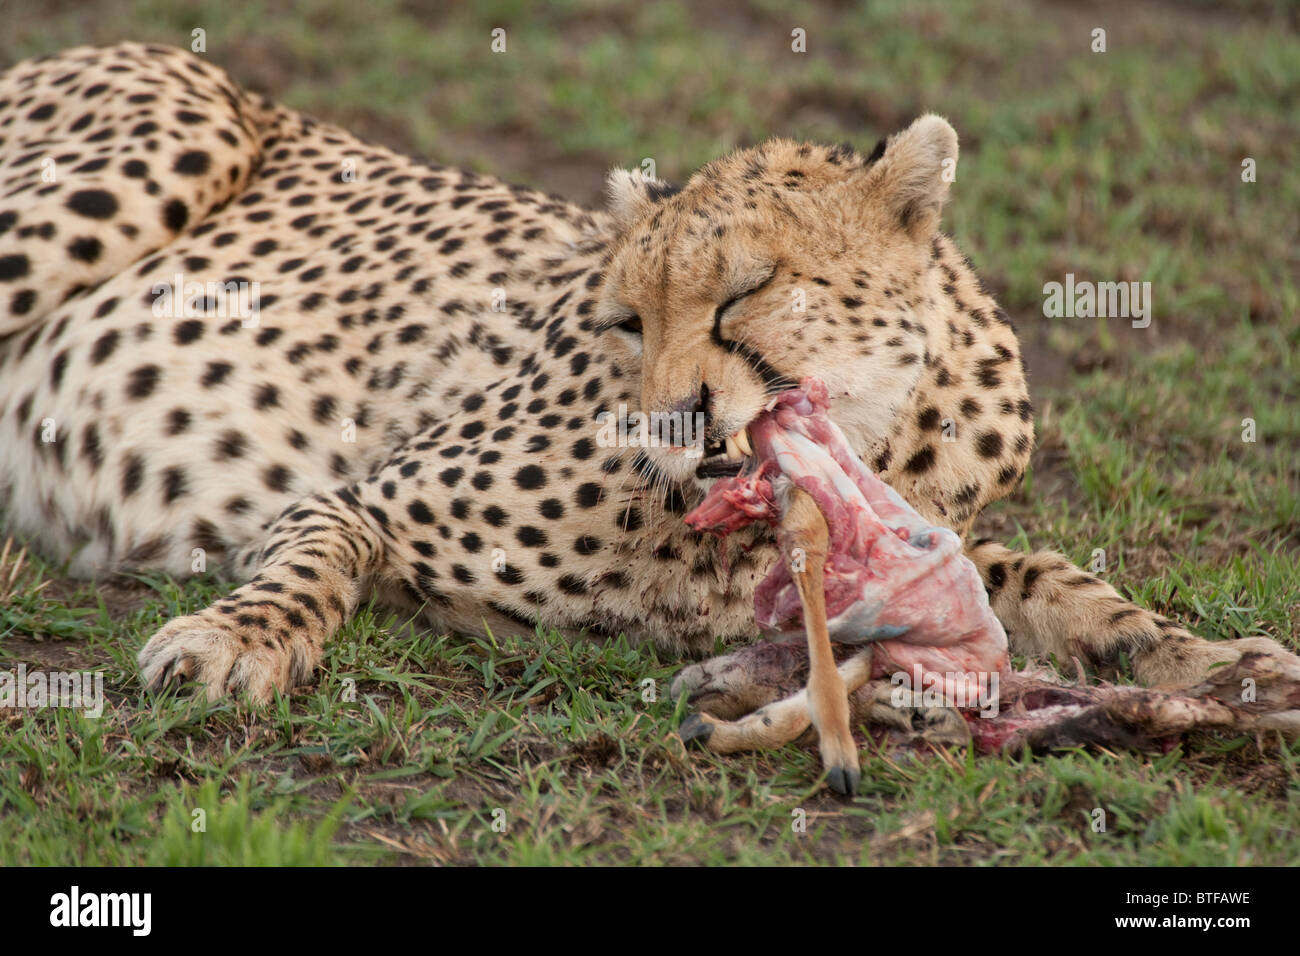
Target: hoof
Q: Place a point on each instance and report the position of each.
(695, 730)
(844, 780)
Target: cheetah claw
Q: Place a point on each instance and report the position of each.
(220, 660)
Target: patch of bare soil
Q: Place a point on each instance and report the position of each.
(121, 595)
(51, 655)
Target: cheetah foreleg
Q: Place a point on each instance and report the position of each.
(271, 632)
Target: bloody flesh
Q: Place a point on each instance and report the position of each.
(891, 578)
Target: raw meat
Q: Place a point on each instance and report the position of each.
(891, 578)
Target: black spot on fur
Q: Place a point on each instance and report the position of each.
(215, 374)
(132, 474)
(191, 330)
(1031, 576)
(93, 203)
(277, 478)
(588, 495)
(194, 162)
(920, 462)
(530, 477)
(85, 249)
(174, 485)
(989, 445)
(175, 215)
(142, 381)
(13, 267)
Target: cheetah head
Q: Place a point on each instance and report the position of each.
(773, 263)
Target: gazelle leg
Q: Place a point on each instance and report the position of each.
(804, 527)
(774, 724)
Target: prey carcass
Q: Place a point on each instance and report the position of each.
(874, 616)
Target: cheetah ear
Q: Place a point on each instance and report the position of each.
(632, 194)
(911, 173)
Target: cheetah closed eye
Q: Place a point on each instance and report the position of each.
(230, 332)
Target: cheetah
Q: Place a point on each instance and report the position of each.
(231, 333)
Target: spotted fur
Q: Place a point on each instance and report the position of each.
(413, 414)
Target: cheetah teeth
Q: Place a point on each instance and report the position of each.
(738, 445)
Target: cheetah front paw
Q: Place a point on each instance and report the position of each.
(225, 661)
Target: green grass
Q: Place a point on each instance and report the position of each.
(526, 750)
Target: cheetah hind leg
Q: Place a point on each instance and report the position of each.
(1051, 608)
